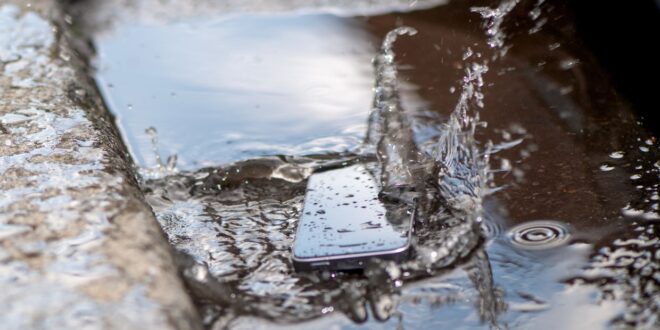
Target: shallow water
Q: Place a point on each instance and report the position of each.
(570, 235)
(239, 87)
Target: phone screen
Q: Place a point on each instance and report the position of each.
(342, 216)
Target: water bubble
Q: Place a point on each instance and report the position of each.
(632, 212)
(617, 155)
(151, 131)
(606, 167)
(568, 63)
(539, 235)
(565, 90)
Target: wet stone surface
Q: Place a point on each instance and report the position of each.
(78, 247)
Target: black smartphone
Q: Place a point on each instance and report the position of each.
(343, 223)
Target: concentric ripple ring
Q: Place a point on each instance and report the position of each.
(491, 229)
(539, 235)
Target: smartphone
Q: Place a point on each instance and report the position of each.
(343, 223)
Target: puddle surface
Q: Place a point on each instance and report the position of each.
(570, 210)
(239, 87)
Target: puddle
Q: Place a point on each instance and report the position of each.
(239, 87)
(566, 193)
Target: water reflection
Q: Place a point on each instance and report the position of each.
(239, 87)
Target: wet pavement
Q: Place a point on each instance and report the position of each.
(553, 224)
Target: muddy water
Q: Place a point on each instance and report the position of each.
(569, 230)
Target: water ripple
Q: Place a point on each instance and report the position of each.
(539, 235)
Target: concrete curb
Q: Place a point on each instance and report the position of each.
(79, 248)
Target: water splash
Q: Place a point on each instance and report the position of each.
(464, 174)
(493, 20)
(449, 182)
(162, 168)
(235, 224)
(389, 130)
